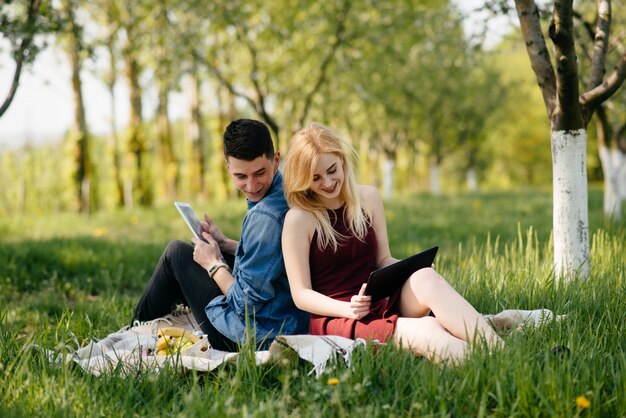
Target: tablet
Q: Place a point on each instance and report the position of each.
(384, 282)
(191, 219)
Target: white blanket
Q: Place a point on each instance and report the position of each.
(132, 349)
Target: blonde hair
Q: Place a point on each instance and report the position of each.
(304, 151)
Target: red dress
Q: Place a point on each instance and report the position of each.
(340, 274)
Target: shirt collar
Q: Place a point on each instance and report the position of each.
(276, 186)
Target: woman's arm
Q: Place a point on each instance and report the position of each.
(296, 241)
(373, 204)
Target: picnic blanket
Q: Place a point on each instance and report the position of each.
(133, 348)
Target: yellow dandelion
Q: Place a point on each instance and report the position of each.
(134, 220)
(98, 232)
(583, 402)
(333, 381)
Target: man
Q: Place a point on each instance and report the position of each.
(256, 292)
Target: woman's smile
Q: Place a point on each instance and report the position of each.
(330, 189)
(328, 178)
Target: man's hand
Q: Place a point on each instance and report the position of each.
(206, 253)
(360, 304)
(210, 227)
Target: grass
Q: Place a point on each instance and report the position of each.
(66, 277)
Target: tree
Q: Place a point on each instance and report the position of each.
(106, 13)
(74, 45)
(610, 131)
(137, 138)
(263, 36)
(21, 22)
(569, 114)
(409, 69)
(513, 144)
(164, 60)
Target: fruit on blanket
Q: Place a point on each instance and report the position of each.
(172, 340)
(162, 343)
(178, 332)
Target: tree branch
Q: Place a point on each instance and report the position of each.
(600, 47)
(605, 90)
(21, 53)
(588, 29)
(528, 15)
(225, 82)
(600, 43)
(259, 104)
(339, 39)
(605, 133)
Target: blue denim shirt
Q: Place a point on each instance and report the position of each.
(261, 290)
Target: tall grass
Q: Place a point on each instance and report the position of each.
(65, 279)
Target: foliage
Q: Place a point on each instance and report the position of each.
(400, 79)
(66, 278)
(522, 123)
(23, 23)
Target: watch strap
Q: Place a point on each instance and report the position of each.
(215, 267)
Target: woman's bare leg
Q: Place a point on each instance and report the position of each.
(427, 290)
(426, 337)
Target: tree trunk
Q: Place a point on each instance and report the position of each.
(223, 188)
(198, 135)
(114, 138)
(137, 142)
(388, 167)
(472, 181)
(170, 172)
(570, 212)
(622, 177)
(612, 161)
(83, 169)
(568, 135)
(435, 185)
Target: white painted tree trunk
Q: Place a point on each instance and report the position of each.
(570, 204)
(128, 193)
(435, 187)
(612, 163)
(472, 181)
(622, 177)
(388, 167)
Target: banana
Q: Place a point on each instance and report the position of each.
(162, 342)
(178, 332)
(173, 339)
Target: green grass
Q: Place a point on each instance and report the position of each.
(65, 277)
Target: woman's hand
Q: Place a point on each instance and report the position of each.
(359, 305)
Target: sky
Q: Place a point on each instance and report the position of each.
(42, 110)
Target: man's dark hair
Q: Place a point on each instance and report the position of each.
(247, 139)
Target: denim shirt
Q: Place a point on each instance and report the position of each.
(260, 295)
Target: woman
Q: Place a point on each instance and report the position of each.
(335, 235)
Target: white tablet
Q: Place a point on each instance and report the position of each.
(191, 219)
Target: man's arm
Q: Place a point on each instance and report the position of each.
(259, 264)
(207, 254)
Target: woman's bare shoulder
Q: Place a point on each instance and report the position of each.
(300, 218)
(370, 194)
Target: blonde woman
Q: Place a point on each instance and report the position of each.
(335, 235)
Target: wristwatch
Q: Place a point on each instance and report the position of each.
(215, 267)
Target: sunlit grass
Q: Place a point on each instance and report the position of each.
(65, 279)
